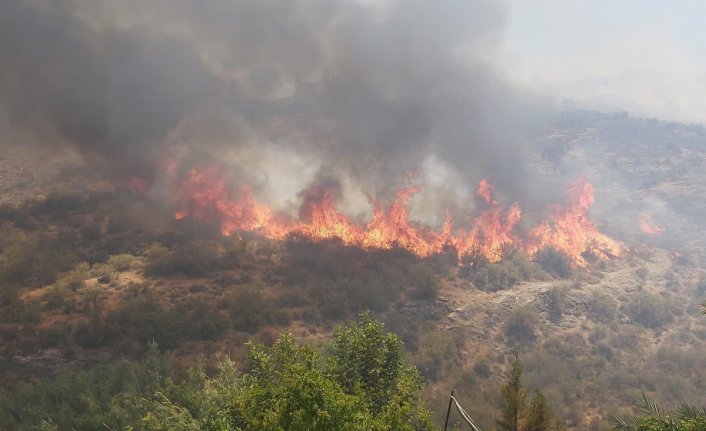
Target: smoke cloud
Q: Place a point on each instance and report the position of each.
(371, 94)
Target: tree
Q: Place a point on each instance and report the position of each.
(539, 417)
(363, 384)
(513, 399)
(684, 418)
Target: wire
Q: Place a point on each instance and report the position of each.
(465, 415)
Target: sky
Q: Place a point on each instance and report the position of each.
(647, 57)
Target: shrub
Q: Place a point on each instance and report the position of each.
(57, 297)
(603, 307)
(34, 260)
(145, 320)
(249, 310)
(191, 259)
(75, 279)
(554, 262)
(121, 262)
(521, 325)
(104, 273)
(502, 275)
(650, 311)
(556, 302)
(482, 368)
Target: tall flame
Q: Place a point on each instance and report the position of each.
(203, 194)
(570, 230)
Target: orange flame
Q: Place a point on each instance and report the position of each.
(649, 227)
(203, 195)
(570, 230)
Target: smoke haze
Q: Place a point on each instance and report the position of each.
(284, 92)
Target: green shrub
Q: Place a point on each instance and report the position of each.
(57, 297)
(75, 279)
(121, 262)
(104, 272)
(144, 320)
(34, 260)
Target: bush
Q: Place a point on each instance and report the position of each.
(104, 273)
(75, 279)
(121, 262)
(521, 325)
(192, 259)
(145, 320)
(554, 262)
(556, 302)
(650, 311)
(603, 307)
(493, 277)
(503, 275)
(57, 297)
(34, 260)
(248, 308)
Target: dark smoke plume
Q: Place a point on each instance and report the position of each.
(367, 92)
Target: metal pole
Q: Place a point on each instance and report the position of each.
(448, 411)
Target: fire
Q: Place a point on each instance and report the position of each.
(569, 229)
(392, 228)
(203, 194)
(649, 227)
(492, 233)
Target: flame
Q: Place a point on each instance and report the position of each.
(203, 194)
(569, 229)
(139, 185)
(649, 227)
(492, 233)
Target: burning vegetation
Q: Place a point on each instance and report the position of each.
(203, 194)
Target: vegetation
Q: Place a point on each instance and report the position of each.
(362, 384)
(91, 276)
(684, 418)
(516, 414)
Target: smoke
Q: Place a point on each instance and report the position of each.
(368, 93)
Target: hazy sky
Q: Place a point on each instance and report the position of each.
(647, 57)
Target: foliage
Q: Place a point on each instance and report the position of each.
(121, 262)
(502, 275)
(650, 311)
(249, 309)
(34, 259)
(539, 417)
(516, 413)
(684, 418)
(145, 320)
(556, 302)
(521, 325)
(603, 307)
(554, 262)
(364, 384)
(104, 272)
(513, 399)
(190, 259)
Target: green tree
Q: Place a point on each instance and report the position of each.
(539, 416)
(685, 418)
(363, 384)
(513, 399)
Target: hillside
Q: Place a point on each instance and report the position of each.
(93, 270)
